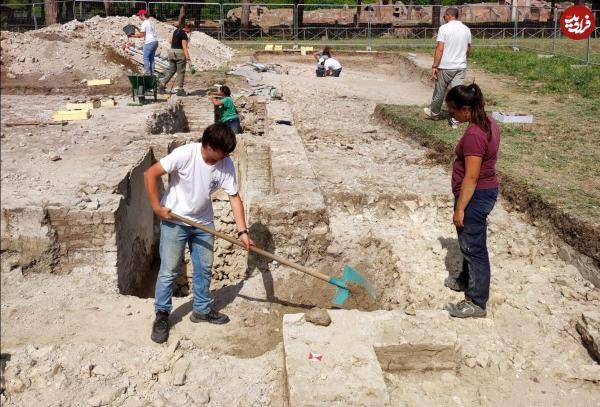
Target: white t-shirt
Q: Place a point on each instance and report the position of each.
(456, 38)
(148, 28)
(332, 64)
(192, 181)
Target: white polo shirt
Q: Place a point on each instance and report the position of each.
(456, 38)
(332, 64)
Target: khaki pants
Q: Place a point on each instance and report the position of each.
(177, 63)
(447, 79)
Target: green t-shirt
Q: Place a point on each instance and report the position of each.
(227, 110)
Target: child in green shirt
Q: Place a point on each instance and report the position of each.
(227, 113)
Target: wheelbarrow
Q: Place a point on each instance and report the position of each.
(142, 85)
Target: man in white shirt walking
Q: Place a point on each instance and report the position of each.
(449, 67)
(148, 33)
(196, 171)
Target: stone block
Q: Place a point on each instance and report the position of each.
(589, 329)
(69, 115)
(269, 47)
(108, 103)
(98, 82)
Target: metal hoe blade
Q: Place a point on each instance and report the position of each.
(342, 292)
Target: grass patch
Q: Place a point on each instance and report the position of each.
(552, 175)
(550, 75)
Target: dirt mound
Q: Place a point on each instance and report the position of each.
(90, 47)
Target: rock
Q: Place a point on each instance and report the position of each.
(11, 75)
(180, 372)
(471, 362)
(590, 373)
(105, 396)
(589, 329)
(565, 254)
(42, 78)
(483, 359)
(22, 59)
(318, 316)
(54, 157)
(200, 397)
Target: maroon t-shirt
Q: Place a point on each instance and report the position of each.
(475, 142)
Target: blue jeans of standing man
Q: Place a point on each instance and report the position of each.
(173, 238)
(149, 52)
(472, 239)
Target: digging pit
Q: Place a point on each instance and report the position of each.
(334, 188)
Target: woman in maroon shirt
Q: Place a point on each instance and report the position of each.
(475, 188)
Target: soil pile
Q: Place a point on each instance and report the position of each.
(95, 48)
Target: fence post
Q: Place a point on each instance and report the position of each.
(515, 15)
(295, 25)
(589, 49)
(369, 29)
(554, 32)
(33, 14)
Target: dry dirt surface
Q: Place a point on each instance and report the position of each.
(64, 55)
(73, 340)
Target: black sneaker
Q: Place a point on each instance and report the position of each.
(465, 309)
(181, 92)
(214, 317)
(160, 328)
(454, 284)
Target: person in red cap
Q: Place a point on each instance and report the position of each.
(148, 33)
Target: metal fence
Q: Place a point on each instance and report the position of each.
(369, 26)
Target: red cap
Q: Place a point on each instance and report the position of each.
(141, 12)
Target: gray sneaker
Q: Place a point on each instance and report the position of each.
(465, 309)
(453, 284)
(452, 122)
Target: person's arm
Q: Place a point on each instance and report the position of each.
(468, 50)
(216, 101)
(316, 55)
(237, 207)
(150, 177)
(437, 58)
(186, 52)
(467, 189)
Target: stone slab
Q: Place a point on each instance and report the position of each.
(94, 104)
(343, 364)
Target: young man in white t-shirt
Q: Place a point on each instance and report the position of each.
(148, 33)
(449, 67)
(196, 171)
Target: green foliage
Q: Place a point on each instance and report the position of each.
(549, 75)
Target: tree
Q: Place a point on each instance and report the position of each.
(435, 14)
(358, 10)
(107, 7)
(51, 11)
(245, 18)
(299, 8)
(182, 15)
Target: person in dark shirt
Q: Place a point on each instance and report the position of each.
(179, 55)
(475, 188)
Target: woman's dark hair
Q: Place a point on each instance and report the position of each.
(471, 96)
(225, 90)
(220, 137)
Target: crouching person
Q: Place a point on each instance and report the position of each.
(196, 171)
(226, 111)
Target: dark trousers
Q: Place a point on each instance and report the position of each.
(472, 239)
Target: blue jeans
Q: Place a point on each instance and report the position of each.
(149, 52)
(234, 125)
(173, 238)
(472, 239)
